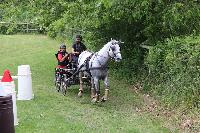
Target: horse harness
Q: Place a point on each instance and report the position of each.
(86, 63)
(101, 66)
(112, 49)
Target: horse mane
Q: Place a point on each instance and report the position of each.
(106, 46)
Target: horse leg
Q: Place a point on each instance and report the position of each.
(92, 89)
(81, 84)
(106, 86)
(97, 89)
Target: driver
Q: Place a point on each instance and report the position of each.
(77, 48)
(62, 57)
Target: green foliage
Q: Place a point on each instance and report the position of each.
(146, 21)
(3, 29)
(175, 70)
(180, 18)
(56, 29)
(12, 29)
(41, 12)
(9, 28)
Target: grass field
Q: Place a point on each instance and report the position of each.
(51, 112)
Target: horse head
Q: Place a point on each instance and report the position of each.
(114, 50)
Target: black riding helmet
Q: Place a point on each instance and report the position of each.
(62, 46)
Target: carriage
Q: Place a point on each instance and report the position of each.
(65, 77)
(90, 69)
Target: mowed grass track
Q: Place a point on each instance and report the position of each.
(51, 112)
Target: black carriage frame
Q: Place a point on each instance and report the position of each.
(66, 77)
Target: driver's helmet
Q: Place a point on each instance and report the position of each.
(62, 46)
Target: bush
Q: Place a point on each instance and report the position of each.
(175, 70)
(9, 28)
(3, 29)
(56, 29)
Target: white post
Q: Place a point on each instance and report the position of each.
(24, 83)
(14, 108)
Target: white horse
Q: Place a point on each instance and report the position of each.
(95, 65)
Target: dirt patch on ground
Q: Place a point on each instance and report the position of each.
(186, 120)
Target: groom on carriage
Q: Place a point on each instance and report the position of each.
(77, 48)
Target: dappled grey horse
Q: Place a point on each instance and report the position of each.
(95, 65)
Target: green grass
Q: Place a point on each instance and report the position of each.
(51, 112)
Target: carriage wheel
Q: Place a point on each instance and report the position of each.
(63, 88)
(57, 81)
(57, 86)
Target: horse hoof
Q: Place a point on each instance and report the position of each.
(80, 94)
(103, 99)
(94, 100)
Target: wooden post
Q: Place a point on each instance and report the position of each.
(72, 32)
(27, 27)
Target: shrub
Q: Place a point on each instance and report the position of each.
(175, 70)
(3, 29)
